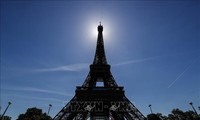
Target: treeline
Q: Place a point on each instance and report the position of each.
(176, 114)
(31, 114)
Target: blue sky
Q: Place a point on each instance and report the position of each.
(152, 46)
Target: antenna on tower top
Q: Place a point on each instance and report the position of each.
(100, 22)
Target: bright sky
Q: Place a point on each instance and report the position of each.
(153, 48)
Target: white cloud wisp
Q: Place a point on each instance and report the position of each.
(72, 67)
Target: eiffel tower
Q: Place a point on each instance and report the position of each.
(93, 102)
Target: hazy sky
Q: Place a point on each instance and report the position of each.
(152, 46)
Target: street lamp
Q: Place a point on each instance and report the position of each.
(193, 108)
(9, 103)
(49, 108)
(150, 109)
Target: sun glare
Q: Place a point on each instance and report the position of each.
(94, 33)
(91, 31)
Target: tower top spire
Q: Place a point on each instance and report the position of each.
(100, 57)
(100, 28)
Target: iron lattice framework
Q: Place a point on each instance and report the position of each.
(106, 102)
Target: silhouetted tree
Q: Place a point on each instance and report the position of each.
(6, 118)
(153, 117)
(188, 115)
(162, 117)
(34, 114)
(176, 114)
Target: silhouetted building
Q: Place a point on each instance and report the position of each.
(106, 102)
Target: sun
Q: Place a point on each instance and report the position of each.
(91, 32)
(94, 32)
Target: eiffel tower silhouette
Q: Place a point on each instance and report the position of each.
(93, 102)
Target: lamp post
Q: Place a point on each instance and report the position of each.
(49, 108)
(9, 103)
(193, 108)
(150, 109)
